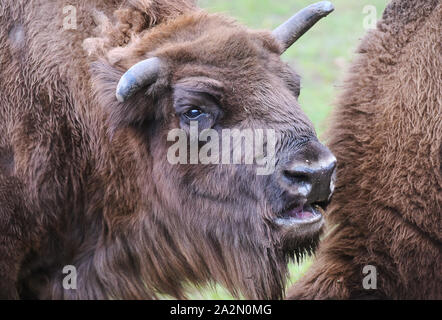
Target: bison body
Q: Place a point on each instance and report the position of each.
(387, 136)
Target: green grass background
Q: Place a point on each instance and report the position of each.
(321, 57)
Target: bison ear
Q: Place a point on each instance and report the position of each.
(112, 88)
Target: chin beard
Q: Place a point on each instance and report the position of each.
(298, 249)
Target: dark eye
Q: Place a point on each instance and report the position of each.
(193, 113)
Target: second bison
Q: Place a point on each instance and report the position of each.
(385, 238)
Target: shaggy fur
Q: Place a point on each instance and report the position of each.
(84, 180)
(387, 136)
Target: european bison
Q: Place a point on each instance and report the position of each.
(387, 136)
(88, 95)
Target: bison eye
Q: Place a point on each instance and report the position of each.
(193, 113)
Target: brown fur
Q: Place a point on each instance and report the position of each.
(387, 136)
(84, 180)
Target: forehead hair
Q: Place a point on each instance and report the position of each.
(200, 37)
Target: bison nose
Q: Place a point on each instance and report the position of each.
(311, 174)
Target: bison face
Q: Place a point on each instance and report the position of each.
(184, 90)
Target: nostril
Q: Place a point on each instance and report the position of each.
(316, 181)
(298, 182)
(297, 176)
(310, 173)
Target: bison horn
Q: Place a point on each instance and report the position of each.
(141, 74)
(301, 22)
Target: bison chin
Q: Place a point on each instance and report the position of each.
(301, 237)
(301, 228)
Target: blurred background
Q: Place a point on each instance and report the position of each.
(321, 57)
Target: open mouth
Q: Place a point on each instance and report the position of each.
(308, 215)
(301, 226)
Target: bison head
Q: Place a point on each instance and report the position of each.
(215, 221)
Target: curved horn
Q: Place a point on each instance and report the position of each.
(301, 22)
(140, 74)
